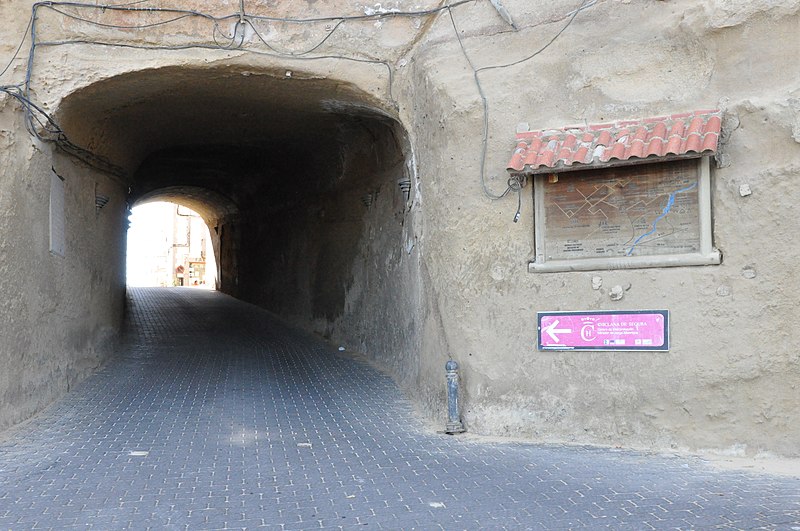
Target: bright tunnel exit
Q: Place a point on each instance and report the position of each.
(169, 245)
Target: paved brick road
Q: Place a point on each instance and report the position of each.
(217, 417)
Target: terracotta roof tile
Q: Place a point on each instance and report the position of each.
(688, 134)
(655, 147)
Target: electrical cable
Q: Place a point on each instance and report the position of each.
(242, 15)
(29, 69)
(543, 48)
(230, 45)
(243, 19)
(371, 16)
(232, 39)
(116, 26)
(38, 115)
(388, 67)
(129, 3)
(294, 54)
(485, 103)
(110, 7)
(36, 118)
(516, 183)
(21, 42)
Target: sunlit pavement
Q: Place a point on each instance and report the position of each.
(215, 416)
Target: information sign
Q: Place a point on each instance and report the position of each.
(613, 330)
(642, 210)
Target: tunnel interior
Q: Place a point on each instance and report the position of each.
(300, 181)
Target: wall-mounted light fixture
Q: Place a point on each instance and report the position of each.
(405, 187)
(100, 201)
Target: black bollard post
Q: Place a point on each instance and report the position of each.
(454, 424)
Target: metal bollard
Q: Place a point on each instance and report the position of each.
(454, 424)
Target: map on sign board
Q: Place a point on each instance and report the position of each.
(643, 210)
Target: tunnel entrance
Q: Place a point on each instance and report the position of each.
(169, 245)
(306, 186)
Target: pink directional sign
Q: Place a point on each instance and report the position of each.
(623, 330)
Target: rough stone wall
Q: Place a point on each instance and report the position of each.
(126, 104)
(60, 315)
(333, 248)
(730, 380)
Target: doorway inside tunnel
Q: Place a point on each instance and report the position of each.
(307, 187)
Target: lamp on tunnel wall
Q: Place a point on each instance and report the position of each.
(368, 199)
(405, 187)
(100, 200)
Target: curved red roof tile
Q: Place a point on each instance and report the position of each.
(659, 130)
(605, 138)
(686, 134)
(673, 145)
(693, 142)
(655, 147)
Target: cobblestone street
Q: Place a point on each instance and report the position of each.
(215, 416)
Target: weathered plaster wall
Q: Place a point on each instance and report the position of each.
(729, 381)
(60, 315)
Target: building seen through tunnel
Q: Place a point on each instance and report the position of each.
(169, 245)
(423, 183)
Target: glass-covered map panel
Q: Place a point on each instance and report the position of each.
(642, 210)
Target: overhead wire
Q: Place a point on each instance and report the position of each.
(368, 16)
(21, 42)
(295, 54)
(208, 47)
(113, 7)
(36, 115)
(242, 15)
(514, 183)
(245, 19)
(36, 118)
(571, 16)
(120, 26)
(130, 3)
(232, 44)
(249, 19)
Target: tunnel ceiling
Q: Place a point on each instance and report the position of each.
(211, 128)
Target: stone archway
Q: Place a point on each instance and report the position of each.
(215, 210)
(306, 184)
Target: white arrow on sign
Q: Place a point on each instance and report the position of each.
(552, 330)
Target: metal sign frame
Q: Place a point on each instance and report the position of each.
(707, 254)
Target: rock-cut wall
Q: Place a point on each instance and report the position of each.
(416, 274)
(729, 381)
